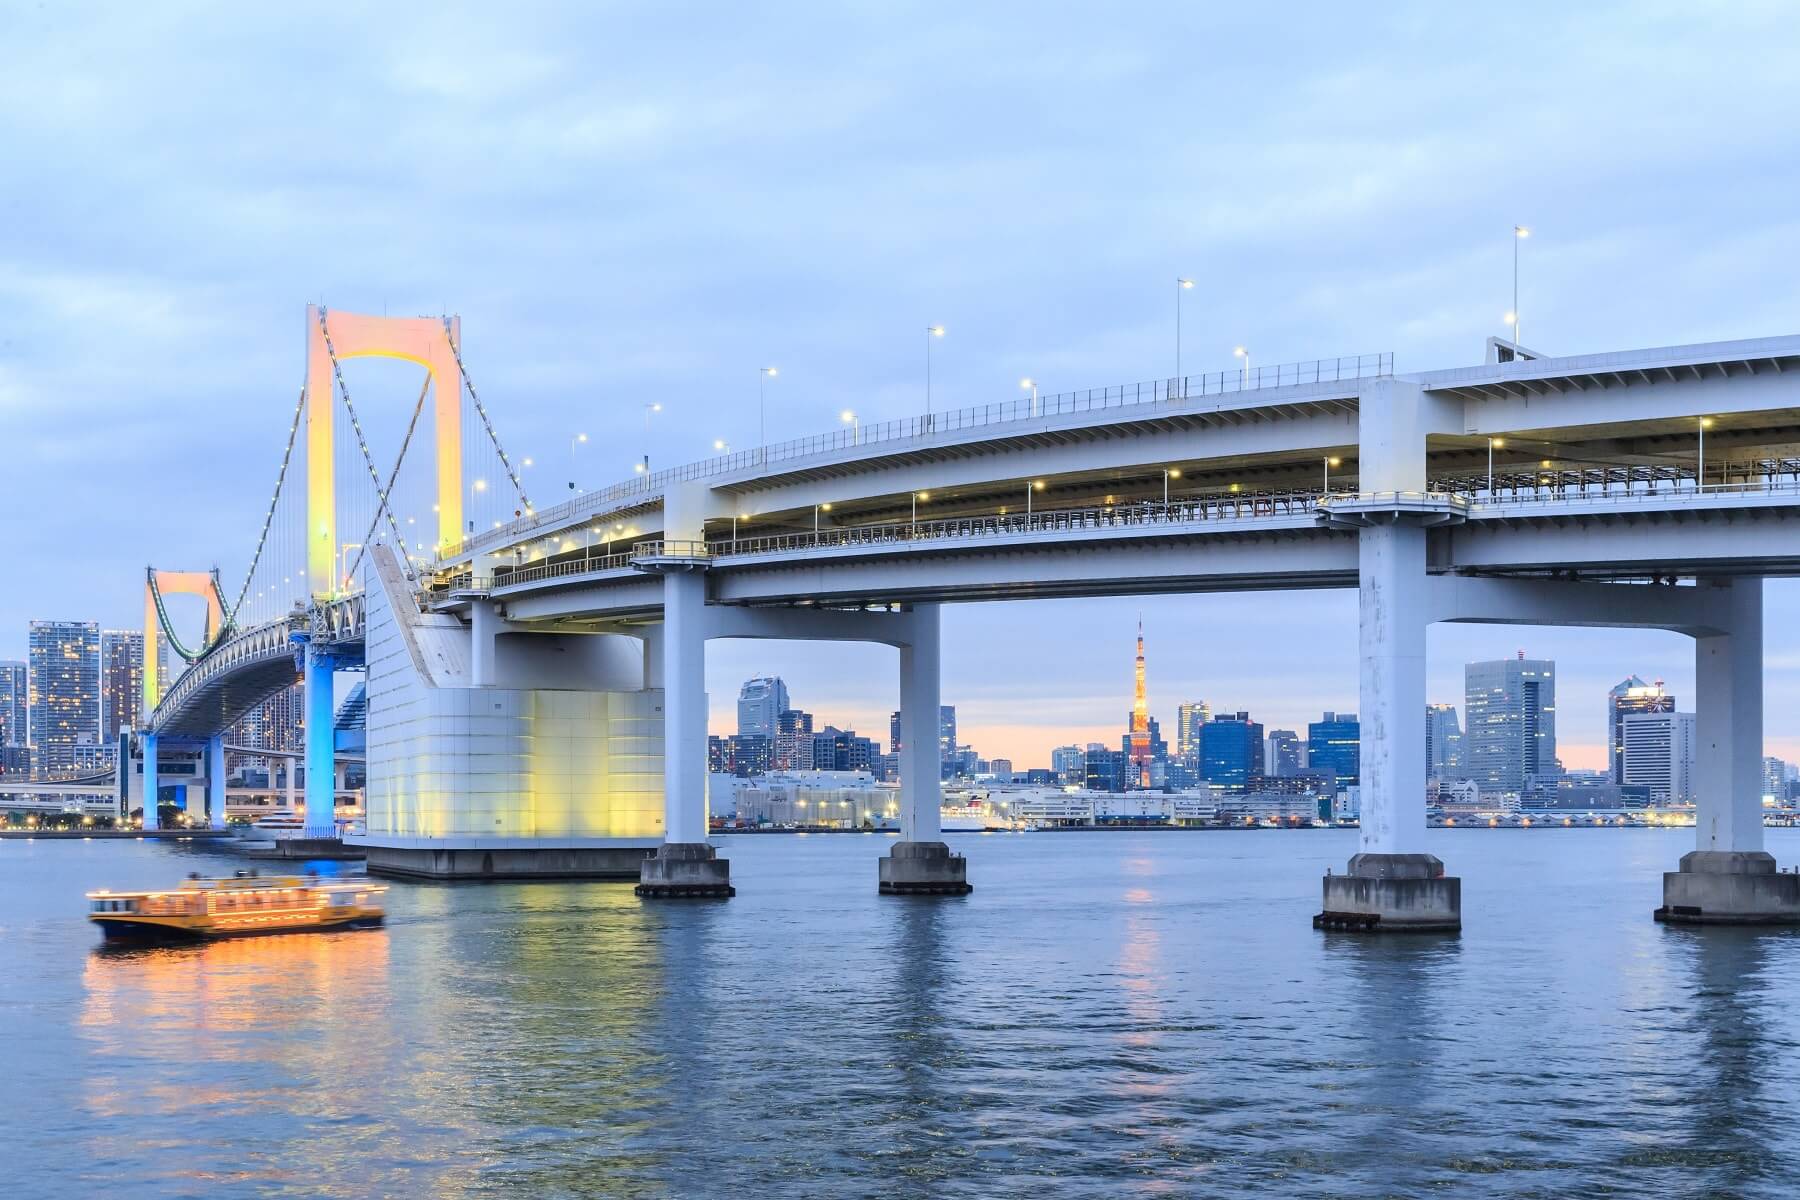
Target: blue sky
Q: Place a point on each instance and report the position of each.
(649, 201)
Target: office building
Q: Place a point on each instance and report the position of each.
(1231, 750)
(121, 680)
(15, 704)
(64, 701)
(1443, 743)
(1069, 764)
(1107, 770)
(1510, 707)
(947, 736)
(1281, 753)
(793, 740)
(1188, 720)
(1632, 695)
(760, 703)
(1334, 743)
(1658, 754)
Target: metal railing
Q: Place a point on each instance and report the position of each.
(1724, 478)
(855, 435)
(1136, 515)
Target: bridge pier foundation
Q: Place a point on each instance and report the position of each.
(685, 865)
(920, 864)
(1728, 879)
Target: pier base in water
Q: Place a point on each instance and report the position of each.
(924, 869)
(1729, 887)
(685, 870)
(1392, 893)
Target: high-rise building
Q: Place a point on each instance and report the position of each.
(1107, 770)
(1231, 749)
(947, 739)
(15, 704)
(121, 680)
(1510, 705)
(1334, 743)
(1657, 751)
(278, 723)
(1775, 776)
(65, 691)
(760, 703)
(1443, 743)
(793, 740)
(1069, 764)
(894, 732)
(1629, 696)
(1188, 720)
(1281, 753)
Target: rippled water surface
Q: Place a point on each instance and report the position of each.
(1108, 1015)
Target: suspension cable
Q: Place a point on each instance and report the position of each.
(487, 424)
(269, 517)
(405, 558)
(381, 500)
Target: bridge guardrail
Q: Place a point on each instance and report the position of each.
(1727, 478)
(1148, 393)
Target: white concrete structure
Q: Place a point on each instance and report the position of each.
(1659, 754)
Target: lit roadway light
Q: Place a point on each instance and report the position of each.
(931, 331)
(849, 418)
(1520, 233)
(1181, 285)
(1241, 352)
(763, 375)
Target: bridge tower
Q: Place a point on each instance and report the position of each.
(331, 337)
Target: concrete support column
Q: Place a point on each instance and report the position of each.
(321, 745)
(1728, 723)
(1391, 883)
(920, 863)
(921, 750)
(215, 781)
(1728, 878)
(685, 865)
(484, 625)
(152, 784)
(1392, 619)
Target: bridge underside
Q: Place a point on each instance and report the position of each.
(222, 702)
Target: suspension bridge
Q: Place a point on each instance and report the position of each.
(535, 678)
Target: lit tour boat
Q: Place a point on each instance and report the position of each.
(243, 905)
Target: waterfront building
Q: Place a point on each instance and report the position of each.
(15, 701)
(64, 691)
(1443, 743)
(835, 749)
(1657, 753)
(1564, 792)
(1069, 764)
(1188, 720)
(1334, 743)
(1001, 769)
(1775, 779)
(1510, 706)
(760, 702)
(121, 680)
(1629, 696)
(740, 754)
(1281, 752)
(1231, 749)
(793, 740)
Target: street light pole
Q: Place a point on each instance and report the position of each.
(763, 375)
(1244, 381)
(1031, 384)
(1181, 285)
(652, 407)
(1520, 233)
(1700, 466)
(931, 331)
(1492, 442)
(573, 442)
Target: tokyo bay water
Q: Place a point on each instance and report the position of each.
(1110, 1014)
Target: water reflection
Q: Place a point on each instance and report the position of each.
(922, 1049)
(1730, 1113)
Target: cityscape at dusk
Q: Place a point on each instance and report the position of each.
(830, 601)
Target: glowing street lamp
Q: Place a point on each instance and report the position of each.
(1036, 485)
(1168, 474)
(763, 375)
(579, 439)
(652, 407)
(931, 331)
(1520, 233)
(1330, 462)
(479, 485)
(826, 506)
(849, 418)
(1030, 385)
(1244, 354)
(1700, 466)
(1181, 285)
(916, 497)
(1492, 443)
